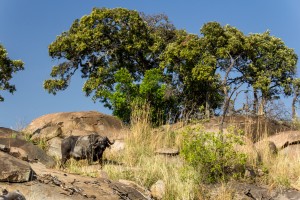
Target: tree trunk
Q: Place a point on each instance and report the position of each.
(261, 110)
(207, 106)
(255, 101)
(294, 106)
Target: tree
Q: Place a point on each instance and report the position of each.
(114, 49)
(271, 68)
(225, 47)
(191, 74)
(7, 68)
(296, 95)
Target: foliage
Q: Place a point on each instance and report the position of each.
(272, 66)
(116, 52)
(195, 81)
(212, 155)
(7, 68)
(128, 57)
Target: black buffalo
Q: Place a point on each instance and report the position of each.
(90, 147)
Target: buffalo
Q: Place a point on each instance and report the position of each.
(90, 147)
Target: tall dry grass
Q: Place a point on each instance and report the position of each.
(143, 166)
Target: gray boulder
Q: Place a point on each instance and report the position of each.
(13, 169)
(34, 153)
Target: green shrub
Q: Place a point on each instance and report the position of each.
(213, 155)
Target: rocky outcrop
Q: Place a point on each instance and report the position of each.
(13, 169)
(168, 151)
(53, 127)
(284, 139)
(68, 123)
(33, 152)
(9, 133)
(53, 184)
(286, 143)
(15, 195)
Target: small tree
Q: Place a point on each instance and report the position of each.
(7, 68)
(296, 95)
(271, 68)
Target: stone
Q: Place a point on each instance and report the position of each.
(250, 174)
(15, 195)
(127, 191)
(291, 152)
(4, 148)
(136, 186)
(18, 153)
(13, 169)
(34, 152)
(47, 133)
(9, 133)
(283, 139)
(54, 148)
(168, 151)
(158, 190)
(65, 122)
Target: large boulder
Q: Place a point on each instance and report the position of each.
(73, 123)
(52, 128)
(13, 169)
(285, 143)
(284, 139)
(33, 152)
(9, 133)
(52, 184)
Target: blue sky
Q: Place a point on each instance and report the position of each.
(28, 27)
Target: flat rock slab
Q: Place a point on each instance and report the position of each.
(53, 184)
(167, 151)
(13, 169)
(33, 152)
(285, 138)
(9, 133)
(245, 191)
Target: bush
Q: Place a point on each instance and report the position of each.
(213, 155)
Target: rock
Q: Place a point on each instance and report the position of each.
(18, 153)
(291, 152)
(167, 151)
(65, 123)
(13, 169)
(54, 148)
(137, 187)
(9, 133)
(15, 195)
(158, 190)
(283, 139)
(118, 146)
(34, 153)
(47, 133)
(249, 173)
(4, 148)
(127, 192)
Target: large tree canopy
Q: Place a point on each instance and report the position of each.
(113, 48)
(271, 69)
(128, 57)
(7, 68)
